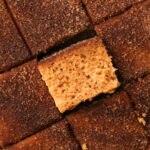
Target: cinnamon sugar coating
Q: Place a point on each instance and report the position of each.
(12, 48)
(108, 124)
(56, 137)
(45, 23)
(127, 38)
(99, 10)
(25, 103)
(139, 93)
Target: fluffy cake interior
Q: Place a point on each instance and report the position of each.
(78, 73)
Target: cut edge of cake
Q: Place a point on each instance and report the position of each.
(78, 62)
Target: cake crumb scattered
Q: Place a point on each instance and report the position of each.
(90, 99)
(144, 115)
(141, 120)
(84, 147)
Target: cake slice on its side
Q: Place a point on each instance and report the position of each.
(78, 73)
(56, 137)
(108, 124)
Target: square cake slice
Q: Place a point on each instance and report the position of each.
(78, 73)
(139, 93)
(108, 124)
(99, 10)
(46, 23)
(55, 137)
(13, 50)
(25, 103)
(127, 38)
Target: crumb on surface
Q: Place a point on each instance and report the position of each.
(84, 147)
(142, 121)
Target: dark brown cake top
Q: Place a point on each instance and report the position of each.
(56, 137)
(25, 103)
(139, 92)
(12, 48)
(148, 147)
(128, 40)
(108, 124)
(45, 23)
(103, 9)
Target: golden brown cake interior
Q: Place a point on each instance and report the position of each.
(78, 73)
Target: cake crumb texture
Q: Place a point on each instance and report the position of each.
(79, 73)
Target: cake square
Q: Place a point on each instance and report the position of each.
(13, 50)
(99, 10)
(25, 103)
(127, 38)
(108, 124)
(78, 73)
(148, 147)
(55, 137)
(45, 23)
(139, 93)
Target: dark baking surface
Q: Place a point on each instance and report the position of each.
(99, 10)
(108, 124)
(12, 48)
(25, 103)
(45, 23)
(127, 38)
(56, 137)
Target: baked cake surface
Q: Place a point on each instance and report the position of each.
(12, 48)
(29, 118)
(25, 103)
(139, 92)
(45, 23)
(108, 124)
(78, 73)
(56, 137)
(99, 10)
(127, 38)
